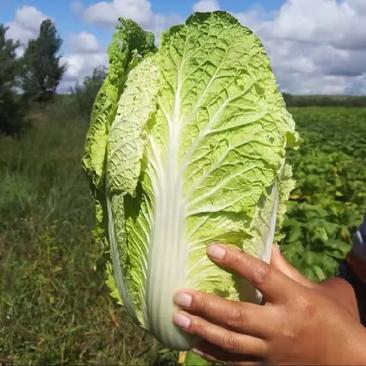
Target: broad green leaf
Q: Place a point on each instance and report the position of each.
(195, 155)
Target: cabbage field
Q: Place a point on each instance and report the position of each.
(54, 305)
(330, 196)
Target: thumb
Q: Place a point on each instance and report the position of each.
(281, 264)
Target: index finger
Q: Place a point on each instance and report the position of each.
(273, 284)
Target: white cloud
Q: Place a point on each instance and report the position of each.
(358, 86)
(316, 46)
(320, 21)
(358, 5)
(26, 24)
(107, 13)
(252, 18)
(84, 42)
(85, 54)
(80, 65)
(206, 5)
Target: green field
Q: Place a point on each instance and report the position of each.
(330, 198)
(54, 306)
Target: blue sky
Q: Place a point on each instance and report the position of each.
(68, 22)
(60, 9)
(308, 55)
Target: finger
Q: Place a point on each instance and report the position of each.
(279, 262)
(227, 340)
(243, 317)
(274, 285)
(216, 354)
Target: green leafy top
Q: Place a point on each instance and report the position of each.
(129, 45)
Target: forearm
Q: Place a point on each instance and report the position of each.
(353, 270)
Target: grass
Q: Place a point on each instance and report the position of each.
(54, 306)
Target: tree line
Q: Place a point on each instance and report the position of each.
(31, 77)
(325, 100)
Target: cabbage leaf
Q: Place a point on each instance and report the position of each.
(186, 147)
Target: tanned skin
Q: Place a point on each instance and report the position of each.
(301, 322)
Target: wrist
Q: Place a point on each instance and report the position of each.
(351, 351)
(356, 347)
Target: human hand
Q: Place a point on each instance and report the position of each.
(299, 323)
(336, 287)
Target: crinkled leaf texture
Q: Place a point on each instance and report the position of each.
(186, 148)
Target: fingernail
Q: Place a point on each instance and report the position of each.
(216, 251)
(183, 299)
(182, 320)
(197, 352)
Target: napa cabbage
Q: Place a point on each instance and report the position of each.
(186, 147)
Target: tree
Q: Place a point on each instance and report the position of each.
(42, 69)
(85, 93)
(11, 114)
